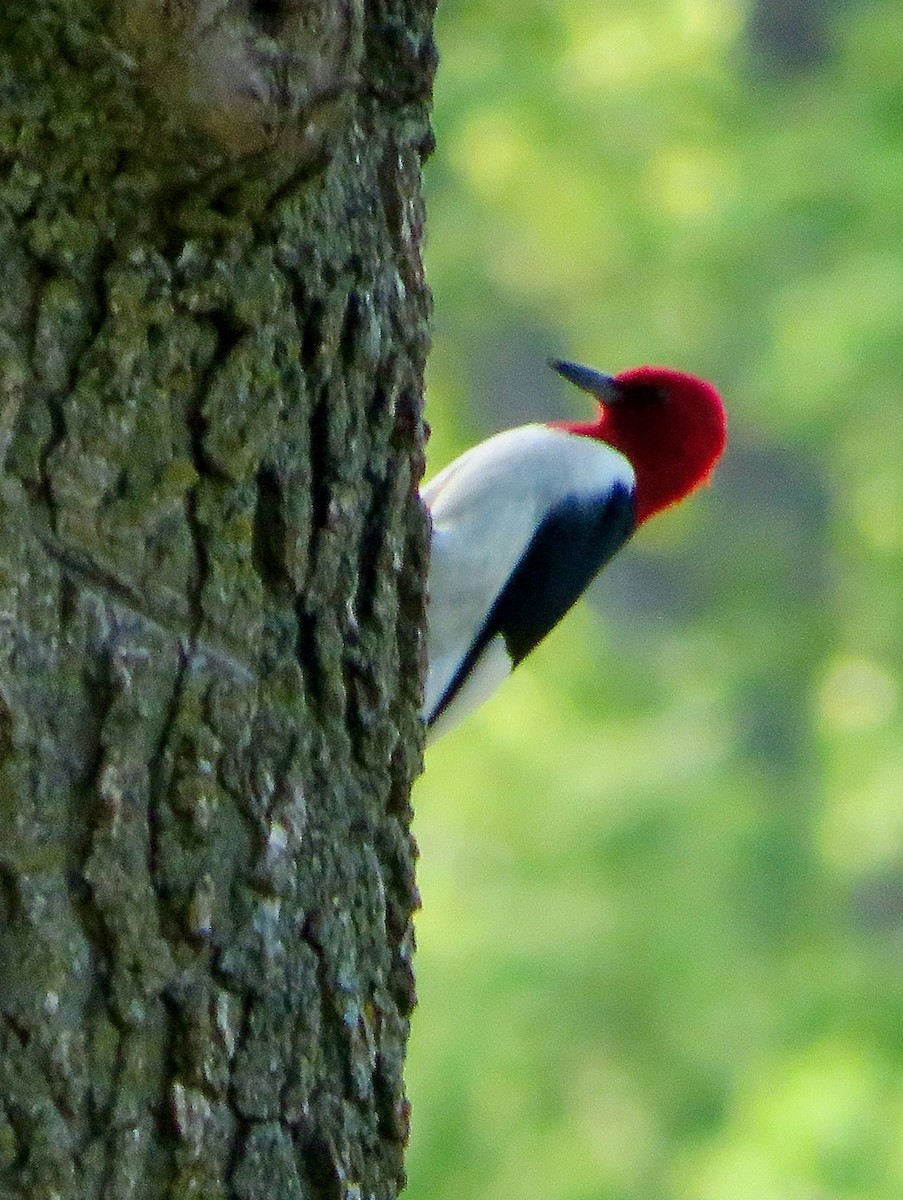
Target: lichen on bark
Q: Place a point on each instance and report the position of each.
(212, 336)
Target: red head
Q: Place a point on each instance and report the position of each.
(670, 426)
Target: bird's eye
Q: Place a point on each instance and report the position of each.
(642, 393)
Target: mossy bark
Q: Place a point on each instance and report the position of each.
(212, 334)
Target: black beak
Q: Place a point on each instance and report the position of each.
(603, 387)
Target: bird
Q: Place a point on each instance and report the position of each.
(524, 521)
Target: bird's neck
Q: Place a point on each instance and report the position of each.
(662, 463)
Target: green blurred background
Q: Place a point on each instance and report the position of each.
(661, 946)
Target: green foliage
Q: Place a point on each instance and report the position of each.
(662, 873)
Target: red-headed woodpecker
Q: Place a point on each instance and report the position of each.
(523, 522)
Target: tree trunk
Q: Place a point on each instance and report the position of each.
(212, 334)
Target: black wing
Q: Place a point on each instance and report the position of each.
(569, 549)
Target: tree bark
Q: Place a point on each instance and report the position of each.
(212, 336)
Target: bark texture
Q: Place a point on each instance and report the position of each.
(212, 334)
